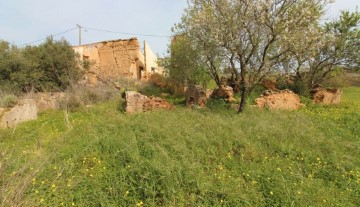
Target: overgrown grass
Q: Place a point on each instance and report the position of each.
(185, 157)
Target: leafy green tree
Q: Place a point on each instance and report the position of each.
(11, 61)
(53, 66)
(184, 66)
(50, 66)
(336, 47)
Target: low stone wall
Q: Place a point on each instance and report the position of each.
(26, 110)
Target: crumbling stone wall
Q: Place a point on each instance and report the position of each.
(112, 59)
(225, 92)
(196, 95)
(326, 96)
(136, 102)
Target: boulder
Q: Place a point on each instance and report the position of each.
(196, 95)
(25, 110)
(224, 92)
(326, 96)
(279, 100)
(136, 102)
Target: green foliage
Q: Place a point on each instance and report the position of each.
(185, 158)
(184, 66)
(8, 101)
(51, 66)
(336, 49)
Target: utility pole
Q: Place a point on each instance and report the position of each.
(79, 26)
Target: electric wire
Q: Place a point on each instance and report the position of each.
(126, 33)
(50, 35)
(98, 30)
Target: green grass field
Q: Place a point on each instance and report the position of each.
(185, 157)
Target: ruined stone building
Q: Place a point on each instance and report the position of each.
(118, 59)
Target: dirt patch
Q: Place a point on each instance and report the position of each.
(326, 96)
(279, 100)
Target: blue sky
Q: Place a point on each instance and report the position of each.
(24, 21)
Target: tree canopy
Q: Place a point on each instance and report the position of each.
(257, 38)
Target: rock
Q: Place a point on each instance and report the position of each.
(280, 100)
(326, 96)
(196, 95)
(136, 102)
(26, 110)
(225, 92)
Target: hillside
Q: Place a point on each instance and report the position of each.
(99, 156)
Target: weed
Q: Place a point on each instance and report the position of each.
(8, 101)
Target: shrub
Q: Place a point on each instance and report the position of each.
(50, 66)
(8, 101)
(79, 95)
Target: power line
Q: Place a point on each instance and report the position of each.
(51, 35)
(98, 30)
(126, 33)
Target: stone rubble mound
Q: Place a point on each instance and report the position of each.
(326, 96)
(196, 95)
(279, 100)
(136, 102)
(225, 92)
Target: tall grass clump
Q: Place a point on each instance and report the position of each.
(8, 101)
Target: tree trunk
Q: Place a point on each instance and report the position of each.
(243, 91)
(243, 98)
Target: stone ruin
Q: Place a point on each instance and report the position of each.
(196, 95)
(136, 102)
(326, 96)
(280, 100)
(225, 92)
(25, 110)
